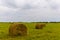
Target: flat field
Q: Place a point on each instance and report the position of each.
(50, 32)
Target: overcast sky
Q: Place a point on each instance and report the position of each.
(29, 10)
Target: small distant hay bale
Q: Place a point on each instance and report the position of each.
(16, 29)
(40, 26)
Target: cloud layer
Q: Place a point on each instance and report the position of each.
(29, 10)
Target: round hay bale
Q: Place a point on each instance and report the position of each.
(16, 29)
(40, 26)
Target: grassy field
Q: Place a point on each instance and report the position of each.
(50, 32)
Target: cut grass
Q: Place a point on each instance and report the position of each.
(50, 32)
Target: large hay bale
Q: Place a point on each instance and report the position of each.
(40, 26)
(16, 29)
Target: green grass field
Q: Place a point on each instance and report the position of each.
(50, 32)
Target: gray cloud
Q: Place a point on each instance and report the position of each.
(9, 3)
(29, 10)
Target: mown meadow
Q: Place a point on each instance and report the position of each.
(50, 32)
